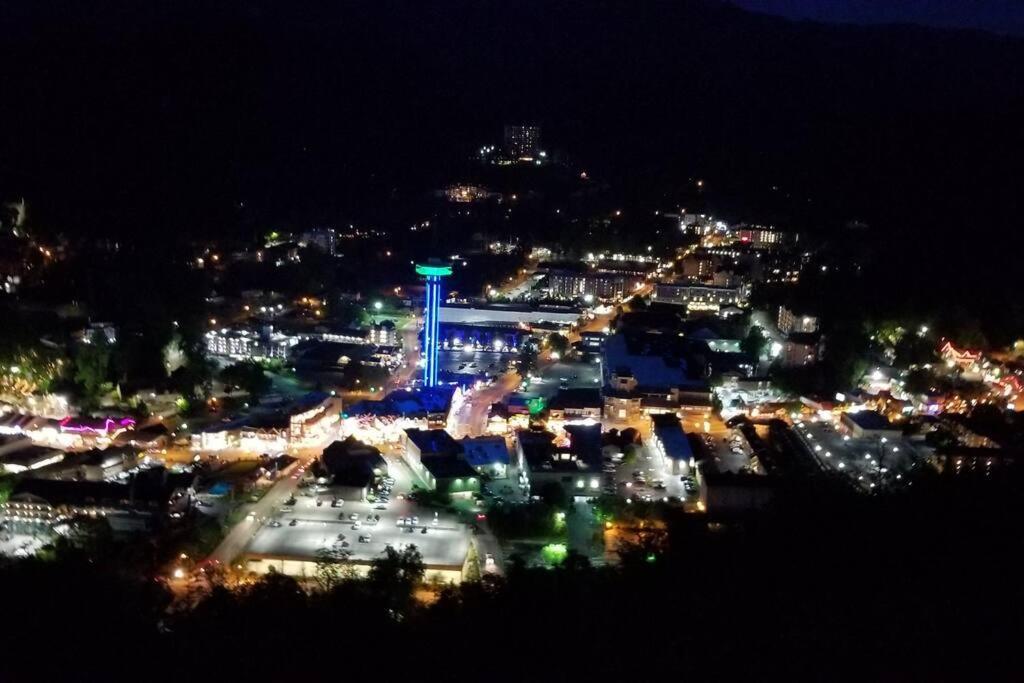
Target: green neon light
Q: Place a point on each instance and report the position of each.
(426, 269)
(554, 553)
(536, 405)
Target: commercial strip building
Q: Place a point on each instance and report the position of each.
(385, 421)
(503, 328)
(576, 405)
(309, 421)
(148, 499)
(68, 433)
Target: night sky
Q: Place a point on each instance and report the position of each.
(1001, 16)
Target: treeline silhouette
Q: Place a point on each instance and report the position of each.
(924, 585)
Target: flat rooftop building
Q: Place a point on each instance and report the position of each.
(672, 444)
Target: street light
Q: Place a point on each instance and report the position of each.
(377, 305)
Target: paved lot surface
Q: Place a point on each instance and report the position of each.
(316, 527)
(473, 362)
(570, 374)
(868, 462)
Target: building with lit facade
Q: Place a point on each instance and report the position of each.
(699, 297)
(502, 314)
(522, 141)
(791, 321)
(150, 498)
(572, 460)
(569, 284)
(310, 421)
(760, 237)
(670, 443)
(249, 345)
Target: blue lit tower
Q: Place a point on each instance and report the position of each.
(432, 274)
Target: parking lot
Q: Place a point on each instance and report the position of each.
(568, 375)
(730, 451)
(475, 363)
(300, 530)
(868, 462)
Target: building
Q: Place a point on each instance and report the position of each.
(592, 341)
(522, 142)
(573, 462)
(488, 455)
(383, 334)
(564, 283)
(699, 267)
(244, 344)
(728, 495)
(506, 338)
(385, 421)
(92, 465)
(432, 274)
(324, 239)
(670, 442)
(699, 297)
(29, 458)
(307, 422)
(760, 237)
(654, 373)
(440, 461)
(451, 475)
(353, 467)
(421, 443)
(150, 437)
(790, 321)
(500, 314)
(801, 348)
(869, 424)
(148, 499)
(571, 405)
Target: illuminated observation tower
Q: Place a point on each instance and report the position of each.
(432, 274)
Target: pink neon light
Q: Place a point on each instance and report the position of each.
(107, 424)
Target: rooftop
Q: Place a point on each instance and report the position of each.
(673, 439)
(447, 467)
(433, 442)
(576, 399)
(485, 450)
(869, 419)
